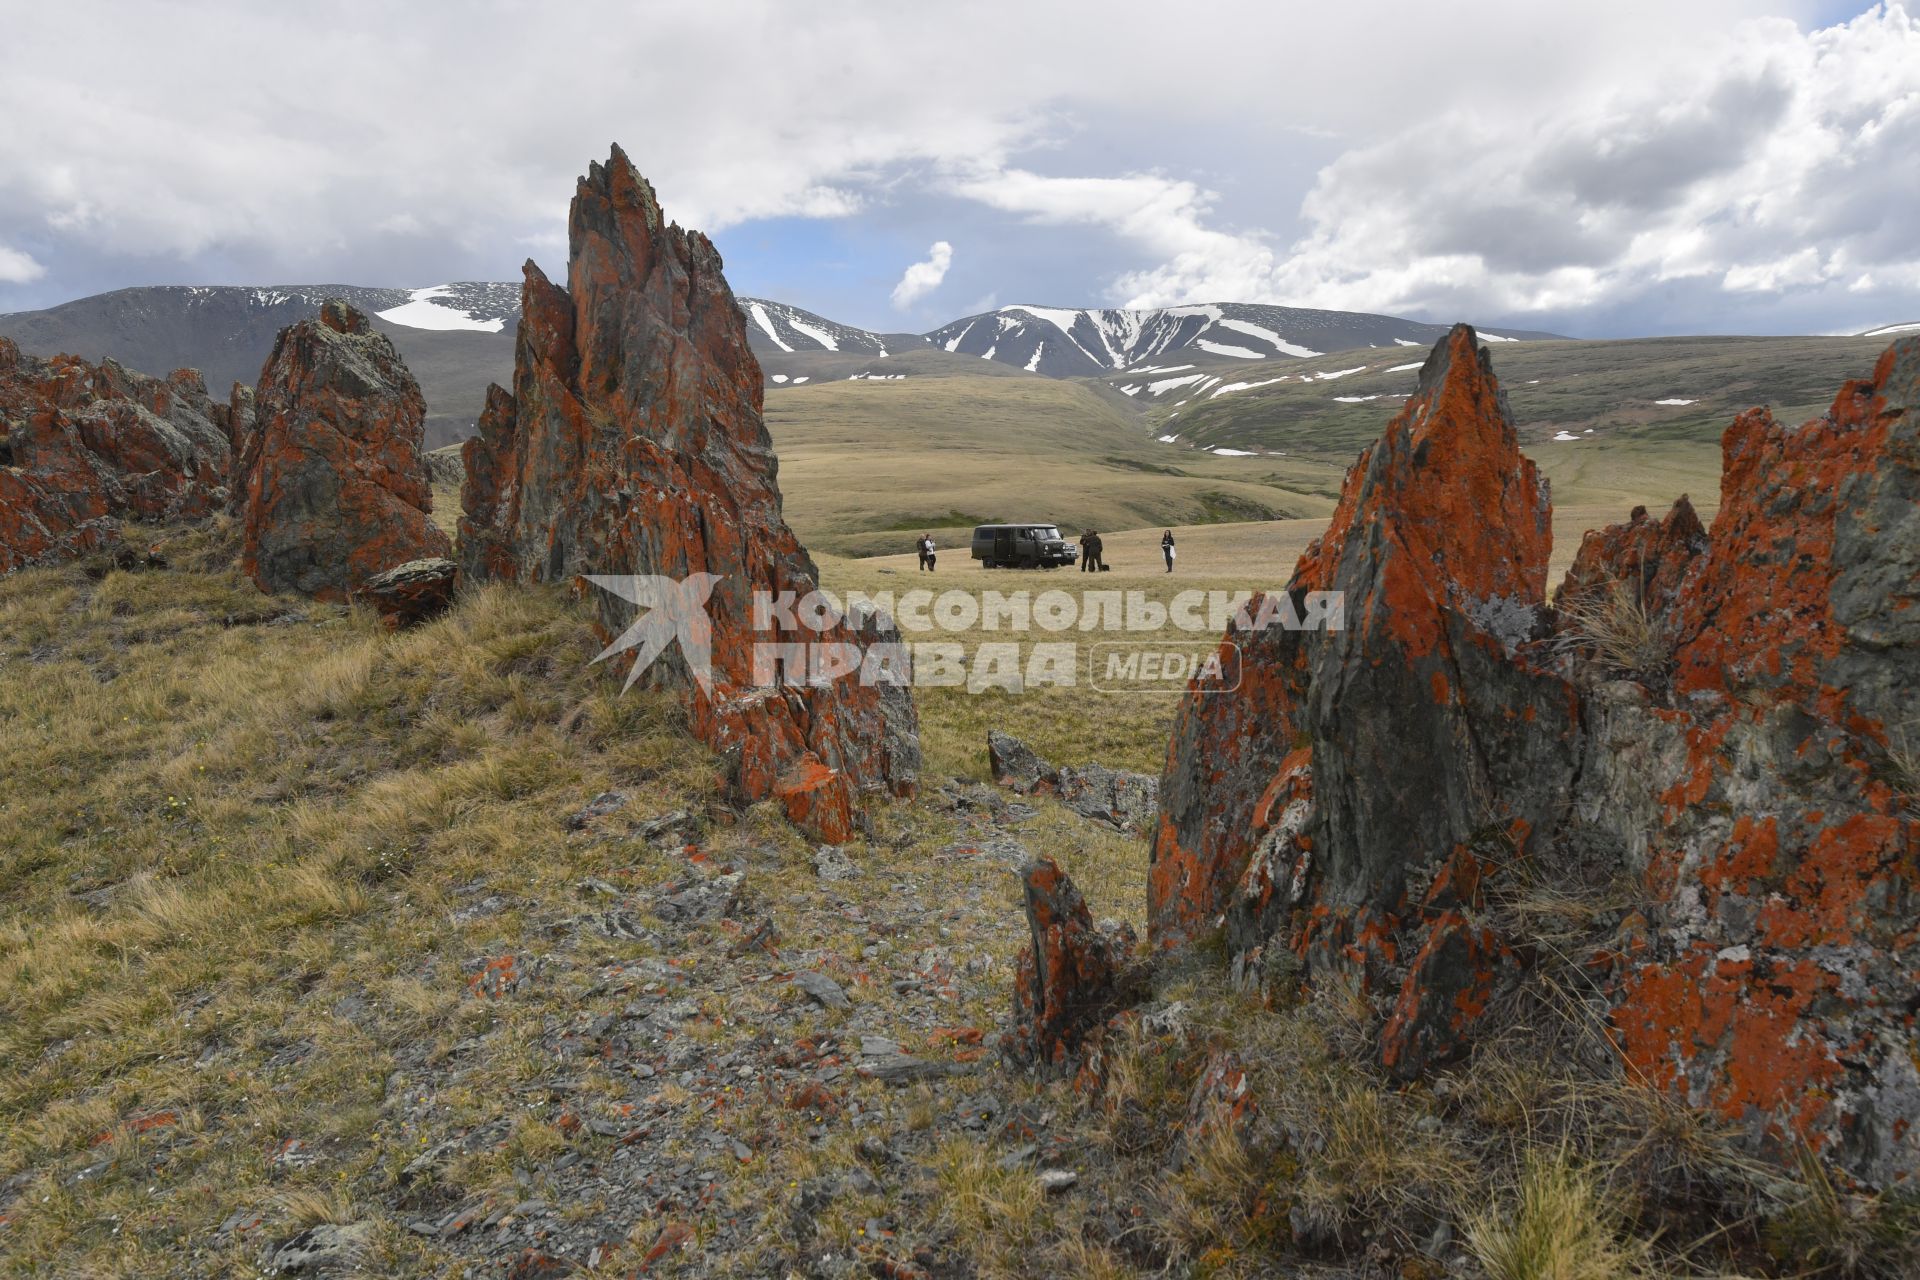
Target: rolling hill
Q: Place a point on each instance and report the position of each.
(1564, 394)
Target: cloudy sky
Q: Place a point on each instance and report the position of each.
(1600, 169)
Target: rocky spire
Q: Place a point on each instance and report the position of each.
(1355, 802)
(633, 443)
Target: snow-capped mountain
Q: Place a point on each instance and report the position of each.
(775, 326)
(1068, 343)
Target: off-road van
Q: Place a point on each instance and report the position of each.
(1022, 546)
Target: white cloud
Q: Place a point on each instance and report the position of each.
(1534, 157)
(1767, 161)
(17, 267)
(923, 278)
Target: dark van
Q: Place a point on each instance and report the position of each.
(1022, 546)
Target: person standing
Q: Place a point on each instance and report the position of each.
(920, 549)
(1097, 551)
(1166, 548)
(932, 555)
(1087, 541)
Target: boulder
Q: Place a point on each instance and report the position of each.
(333, 472)
(633, 444)
(84, 447)
(412, 593)
(1014, 764)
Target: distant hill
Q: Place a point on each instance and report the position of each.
(456, 338)
(1564, 394)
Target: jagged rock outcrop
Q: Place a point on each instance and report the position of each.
(1377, 772)
(1354, 802)
(333, 468)
(83, 447)
(1646, 559)
(1771, 804)
(633, 443)
(1072, 976)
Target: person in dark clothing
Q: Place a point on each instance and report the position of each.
(1166, 548)
(1088, 540)
(924, 546)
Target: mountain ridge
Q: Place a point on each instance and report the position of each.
(225, 331)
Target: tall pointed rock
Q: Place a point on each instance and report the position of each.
(633, 443)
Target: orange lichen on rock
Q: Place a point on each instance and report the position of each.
(1366, 790)
(633, 443)
(1072, 976)
(84, 447)
(334, 473)
(1650, 558)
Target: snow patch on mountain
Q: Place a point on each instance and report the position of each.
(1246, 386)
(1280, 344)
(422, 311)
(759, 314)
(820, 336)
(1222, 349)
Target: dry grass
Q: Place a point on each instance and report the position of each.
(1825, 1231)
(1903, 754)
(1559, 1223)
(236, 867)
(1616, 626)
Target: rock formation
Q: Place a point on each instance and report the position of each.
(633, 444)
(1369, 776)
(332, 468)
(1770, 799)
(83, 447)
(1360, 797)
(1647, 559)
(1125, 800)
(1072, 975)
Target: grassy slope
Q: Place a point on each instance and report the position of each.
(866, 465)
(254, 854)
(1610, 387)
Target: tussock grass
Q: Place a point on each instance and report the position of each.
(1559, 1223)
(1616, 625)
(1826, 1231)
